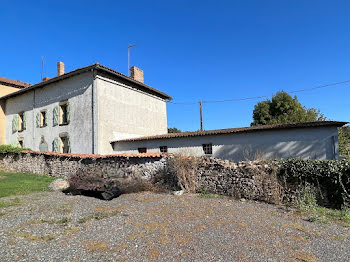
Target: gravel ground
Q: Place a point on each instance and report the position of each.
(146, 226)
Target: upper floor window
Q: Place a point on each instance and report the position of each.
(19, 122)
(61, 114)
(142, 150)
(43, 118)
(208, 149)
(163, 149)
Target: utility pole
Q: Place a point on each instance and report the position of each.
(201, 114)
(129, 47)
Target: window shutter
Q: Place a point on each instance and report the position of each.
(38, 120)
(56, 145)
(55, 116)
(68, 113)
(46, 117)
(15, 123)
(24, 121)
(68, 144)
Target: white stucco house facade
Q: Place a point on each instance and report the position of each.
(83, 110)
(97, 110)
(310, 140)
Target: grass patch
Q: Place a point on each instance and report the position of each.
(98, 216)
(307, 206)
(208, 195)
(326, 215)
(22, 183)
(12, 202)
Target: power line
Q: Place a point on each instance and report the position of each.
(259, 97)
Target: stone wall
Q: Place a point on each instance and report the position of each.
(65, 165)
(255, 180)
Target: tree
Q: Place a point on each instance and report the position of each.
(344, 141)
(174, 130)
(283, 108)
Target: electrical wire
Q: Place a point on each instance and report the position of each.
(259, 97)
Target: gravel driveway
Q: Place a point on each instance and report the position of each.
(146, 226)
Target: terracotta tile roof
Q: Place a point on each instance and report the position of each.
(237, 130)
(95, 66)
(96, 156)
(13, 83)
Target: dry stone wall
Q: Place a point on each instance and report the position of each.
(64, 166)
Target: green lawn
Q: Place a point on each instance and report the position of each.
(22, 183)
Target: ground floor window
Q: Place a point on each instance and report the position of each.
(43, 145)
(208, 149)
(163, 149)
(142, 150)
(62, 144)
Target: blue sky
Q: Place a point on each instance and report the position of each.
(192, 50)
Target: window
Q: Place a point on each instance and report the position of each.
(21, 122)
(163, 149)
(43, 118)
(208, 149)
(43, 145)
(63, 113)
(142, 150)
(64, 143)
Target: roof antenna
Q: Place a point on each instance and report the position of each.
(42, 67)
(129, 47)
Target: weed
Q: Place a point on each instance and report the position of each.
(11, 202)
(208, 195)
(98, 216)
(31, 237)
(96, 246)
(307, 199)
(72, 230)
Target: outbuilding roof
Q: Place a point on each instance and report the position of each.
(97, 67)
(237, 130)
(13, 83)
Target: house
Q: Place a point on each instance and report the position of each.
(82, 110)
(311, 140)
(8, 86)
(97, 110)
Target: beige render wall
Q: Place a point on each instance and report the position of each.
(125, 112)
(4, 90)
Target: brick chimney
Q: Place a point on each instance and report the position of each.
(136, 74)
(60, 68)
(46, 78)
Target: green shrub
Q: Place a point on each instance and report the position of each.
(330, 178)
(306, 200)
(11, 149)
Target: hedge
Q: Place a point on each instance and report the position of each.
(330, 178)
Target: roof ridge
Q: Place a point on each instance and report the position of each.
(235, 130)
(13, 81)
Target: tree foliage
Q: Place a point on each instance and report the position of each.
(174, 130)
(283, 108)
(344, 141)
